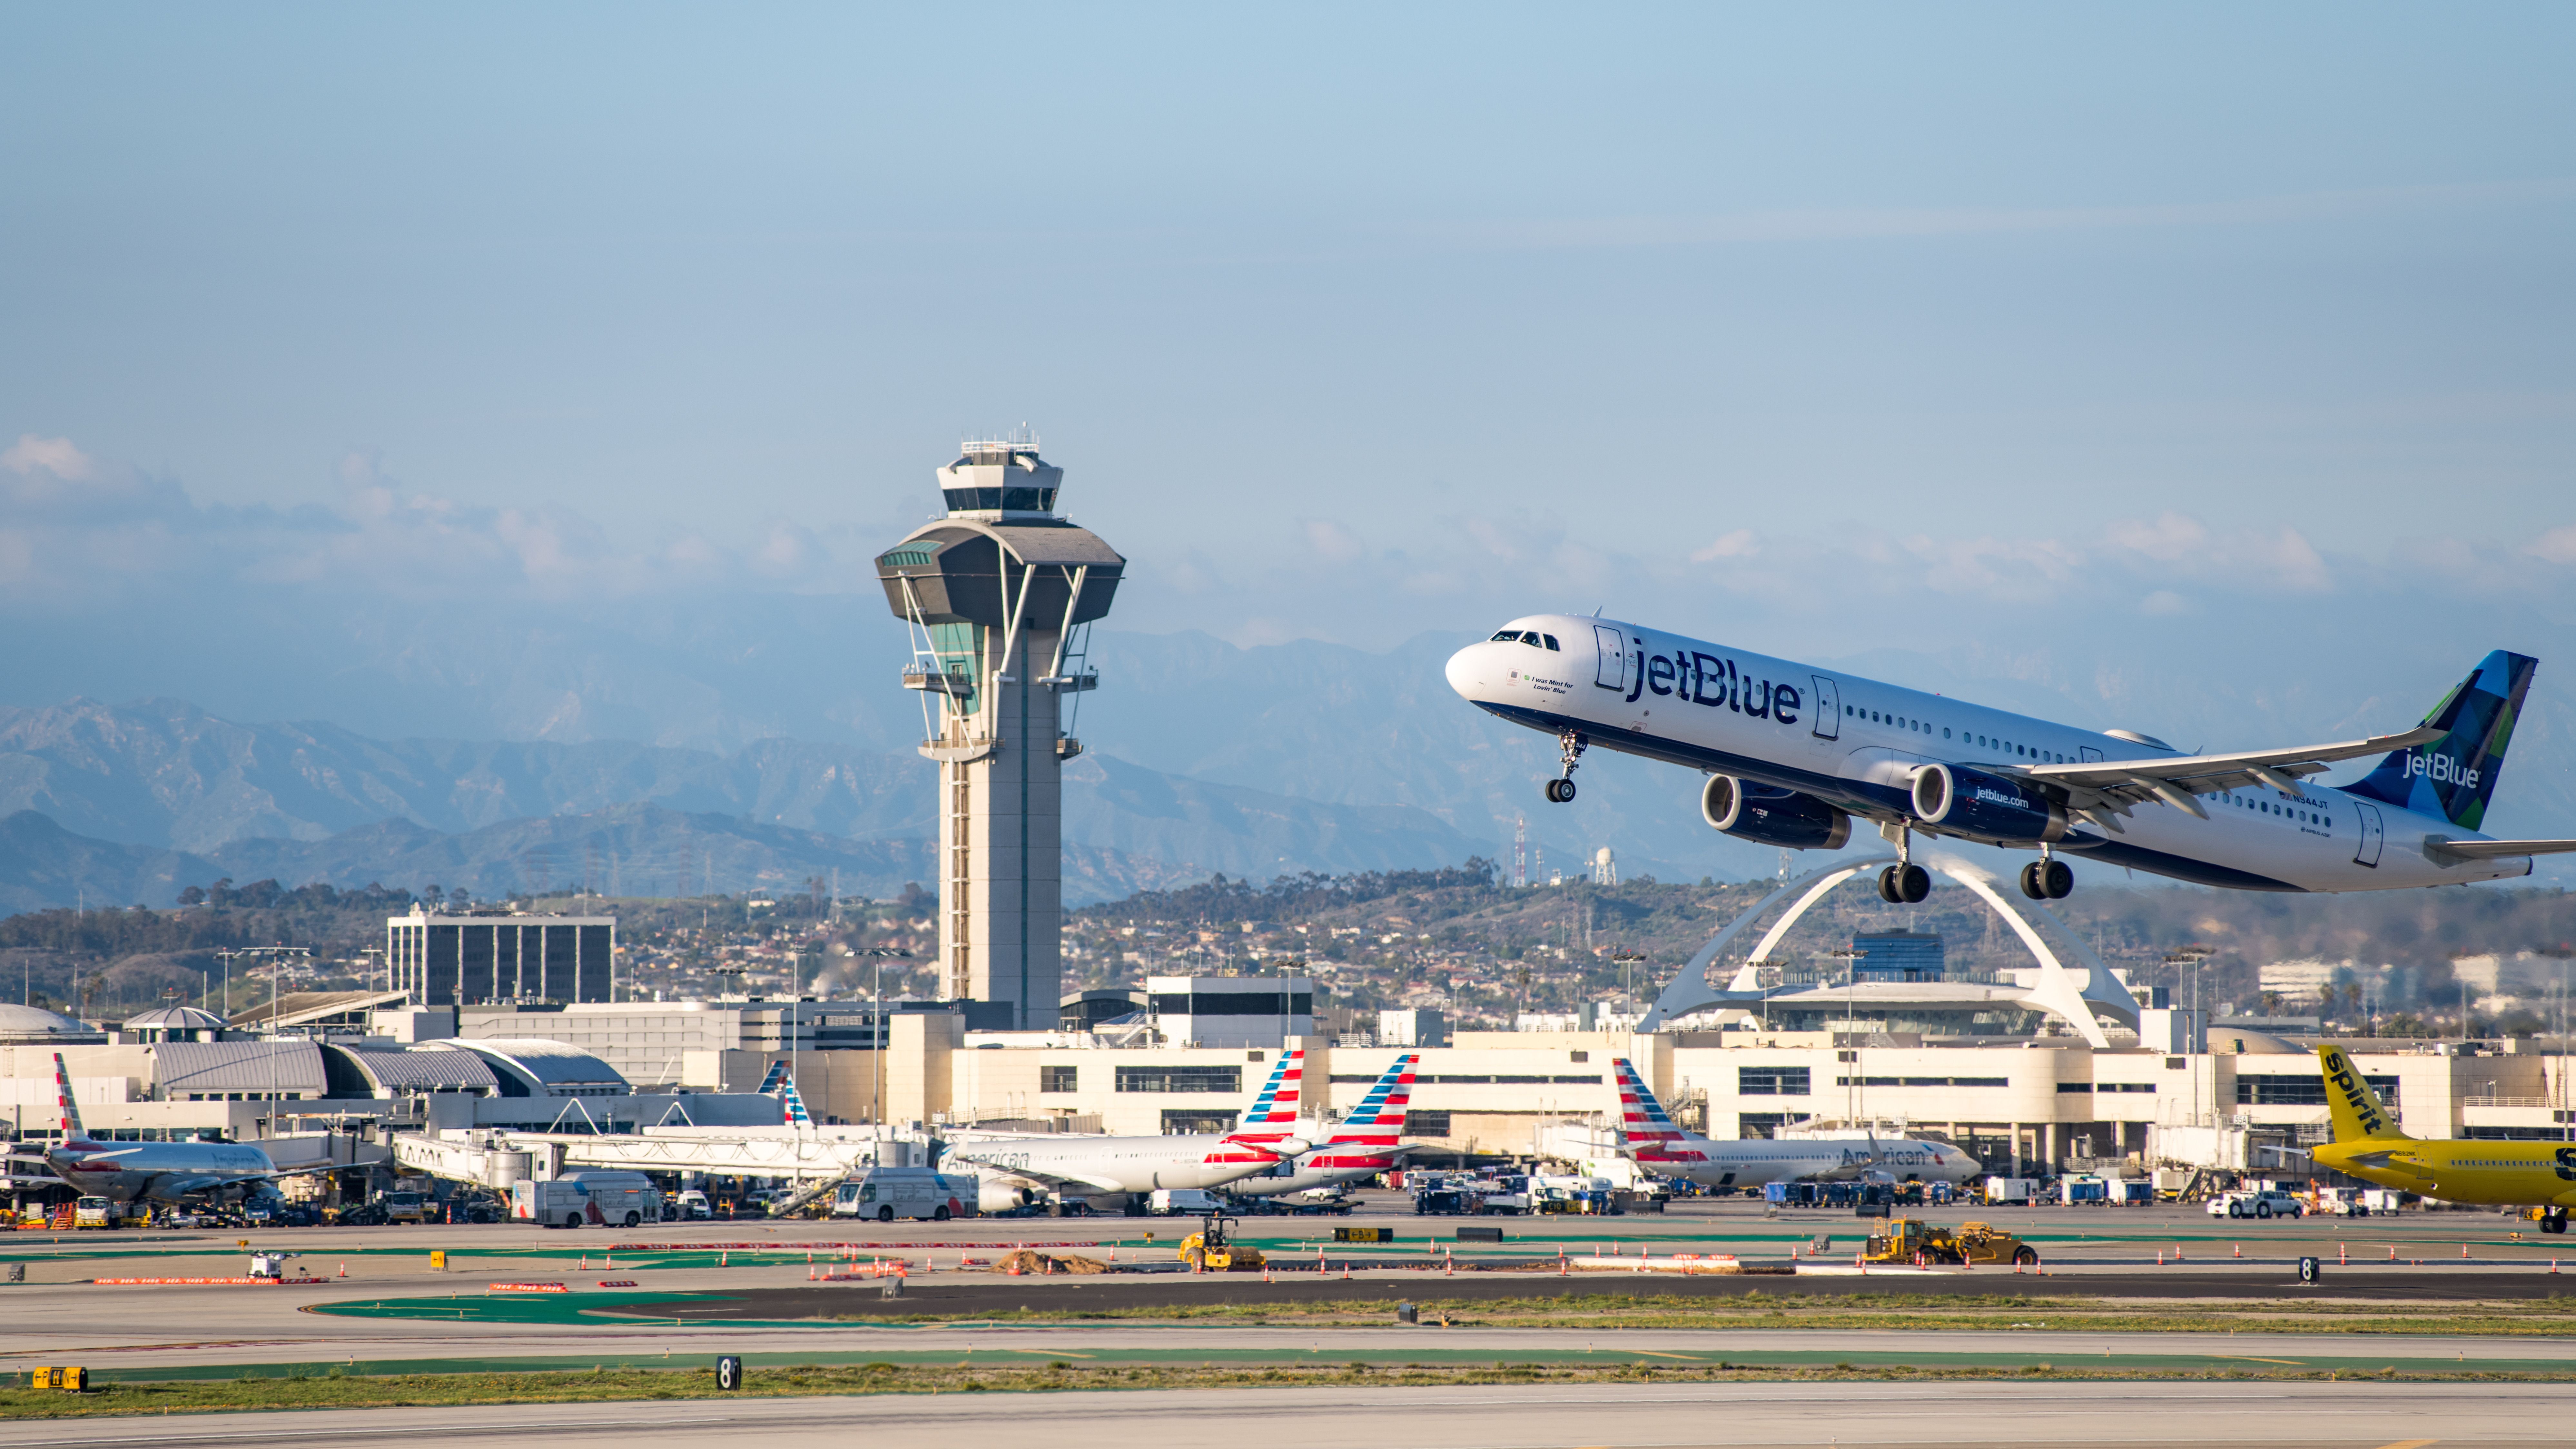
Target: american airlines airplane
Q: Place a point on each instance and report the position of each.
(1658, 1145)
(1100, 1169)
(1359, 1146)
(1793, 753)
(166, 1172)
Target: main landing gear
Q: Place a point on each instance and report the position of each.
(2047, 879)
(1570, 745)
(2554, 1221)
(1904, 883)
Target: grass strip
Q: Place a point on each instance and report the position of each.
(335, 1389)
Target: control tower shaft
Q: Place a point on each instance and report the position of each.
(998, 596)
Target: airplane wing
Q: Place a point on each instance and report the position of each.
(2101, 789)
(2495, 849)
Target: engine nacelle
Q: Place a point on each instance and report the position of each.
(1768, 816)
(1985, 807)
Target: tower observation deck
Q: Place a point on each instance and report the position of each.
(998, 596)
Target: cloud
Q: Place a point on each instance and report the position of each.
(2558, 545)
(1333, 541)
(54, 455)
(2164, 602)
(1739, 544)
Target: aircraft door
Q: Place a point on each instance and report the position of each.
(2373, 834)
(2087, 754)
(1828, 713)
(1612, 671)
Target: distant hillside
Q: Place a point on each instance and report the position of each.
(315, 802)
(634, 850)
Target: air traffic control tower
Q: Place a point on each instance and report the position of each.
(998, 595)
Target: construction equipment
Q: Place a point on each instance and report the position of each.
(1212, 1249)
(1909, 1240)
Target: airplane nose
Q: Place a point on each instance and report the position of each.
(1464, 674)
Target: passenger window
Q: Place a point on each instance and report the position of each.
(1945, 732)
(1551, 642)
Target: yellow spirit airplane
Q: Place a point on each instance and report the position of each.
(2368, 1145)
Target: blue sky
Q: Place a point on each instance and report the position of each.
(2081, 339)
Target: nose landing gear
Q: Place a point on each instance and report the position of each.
(2047, 879)
(1570, 745)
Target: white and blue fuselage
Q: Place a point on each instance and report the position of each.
(1855, 747)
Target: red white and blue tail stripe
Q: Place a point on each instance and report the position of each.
(1643, 1122)
(1272, 1117)
(1368, 1138)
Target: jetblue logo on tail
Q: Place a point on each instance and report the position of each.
(2454, 777)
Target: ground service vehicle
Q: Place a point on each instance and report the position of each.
(1172, 1202)
(2268, 1202)
(602, 1198)
(404, 1207)
(93, 1212)
(693, 1204)
(1211, 1249)
(1906, 1239)
(887, 1193)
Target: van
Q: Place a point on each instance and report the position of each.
(598, 1197)
(1172, 1202)
(692, 1203)
(887, 1193)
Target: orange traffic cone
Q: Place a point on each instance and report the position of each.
(2553, 1265)
(2464, 1251)
(2342, 1254)
(2160, 1257)
(2240, 1249)
(344, 1270)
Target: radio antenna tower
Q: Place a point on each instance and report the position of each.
(1520, 852)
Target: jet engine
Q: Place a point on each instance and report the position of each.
(1769, 816)
(1990, 808)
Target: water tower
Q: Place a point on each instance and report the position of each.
(998, 594)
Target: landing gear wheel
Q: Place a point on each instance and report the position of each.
(2554, 1223)
(1887, 887)
(1913, 884)
(2057, 879)
(2031, 884)
(1560, 792)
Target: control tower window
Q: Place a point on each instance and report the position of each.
(1013, 500)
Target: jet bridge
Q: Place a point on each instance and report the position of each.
(496, 1159)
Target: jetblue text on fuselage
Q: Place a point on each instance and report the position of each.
(1690, 674)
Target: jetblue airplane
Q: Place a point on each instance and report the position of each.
(1793, 753)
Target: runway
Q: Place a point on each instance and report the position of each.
(1620, 1416)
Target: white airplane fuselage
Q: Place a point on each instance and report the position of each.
(1856, 744)
(1754, 1162)
(1107, 1165)
(157, 1171)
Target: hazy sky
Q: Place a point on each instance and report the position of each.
(1861, 324)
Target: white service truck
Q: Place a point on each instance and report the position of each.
(601, 1198)
(887, 1193)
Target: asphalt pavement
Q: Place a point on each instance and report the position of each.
(1737, 1416)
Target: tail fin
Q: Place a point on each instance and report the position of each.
(781, 1083)
(68, 1119)
(1379, 1118)
(1642, 1118)
(1275, 1108)
(2455, 776)
(2354, 1107)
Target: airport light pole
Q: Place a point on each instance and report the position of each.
(879, 1037)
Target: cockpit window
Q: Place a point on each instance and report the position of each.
(1508, 636)
(1551, 642)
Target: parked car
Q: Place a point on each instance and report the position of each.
(2269, 1202)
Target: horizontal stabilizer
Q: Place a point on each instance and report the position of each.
(2495, 849)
